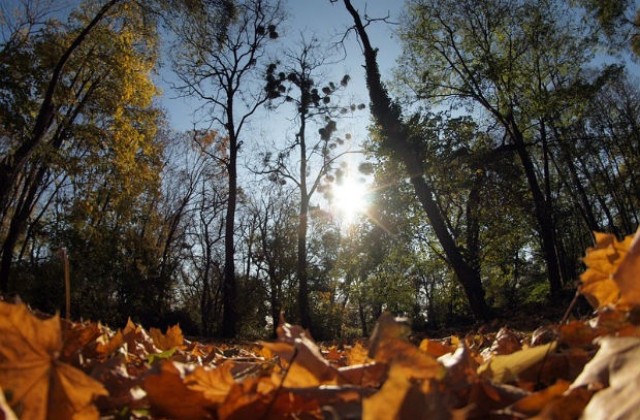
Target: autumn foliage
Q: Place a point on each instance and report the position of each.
(54, 369)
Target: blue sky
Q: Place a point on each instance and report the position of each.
(328, 22)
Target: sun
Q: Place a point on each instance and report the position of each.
(350, 199)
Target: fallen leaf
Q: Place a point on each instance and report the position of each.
(506, 368)
(533, 404)
(614, 356)
(569, 406)
(506, 342)
(214, 384)
(170, 397)
(388, 328)
(402, 398)
(76, 337)
(389, 345)
(37, 383)
(435, 348)
(173, 338)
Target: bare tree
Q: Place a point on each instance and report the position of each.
(222, 70)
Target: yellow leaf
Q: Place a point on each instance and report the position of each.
(602, 261)
(507, 368)
(37, 383)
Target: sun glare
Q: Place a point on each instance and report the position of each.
(350, 199)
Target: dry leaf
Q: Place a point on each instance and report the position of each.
(214, 384)
(506, 342)
(602, 261)
(170, 397)
(435, 348)
(506, 368)
(173, 338)
(402, 398)
(533, 404)
(39, 385)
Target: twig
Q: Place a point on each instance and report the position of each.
(67, 283)
(570, 308)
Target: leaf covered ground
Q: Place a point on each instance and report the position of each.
(54, 369)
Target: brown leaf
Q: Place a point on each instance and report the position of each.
(389, 345)
(76, 337)
(39, 384)
(308, 368)
(569, 406)
(170, 397)
(536, 402)
(402, 398)
(435, 348)
(506, 342)
(173, 338)
(214, 384)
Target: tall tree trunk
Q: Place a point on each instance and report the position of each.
(396, 139)
(303, 225)
(542, 210)
(229, 309)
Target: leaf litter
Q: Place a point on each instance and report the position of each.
(53, 369)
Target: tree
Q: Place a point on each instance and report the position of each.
(397, 139)
(516, 61)
(297, 84)
(84, 96)
(219, 69)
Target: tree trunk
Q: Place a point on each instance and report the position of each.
(229, 309)
(396, 139)
(303, 225)
(542, 210)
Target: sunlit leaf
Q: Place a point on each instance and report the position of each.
(36, 383)
(506, 368)
(170, 397)
(602, 260)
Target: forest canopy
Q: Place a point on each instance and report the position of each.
(506, 136)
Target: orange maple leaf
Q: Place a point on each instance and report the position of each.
(38, 384)
(173, 338)
(602, 260)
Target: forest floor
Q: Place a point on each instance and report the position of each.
(519, 366)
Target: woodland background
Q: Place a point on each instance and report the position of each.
(511, 133)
